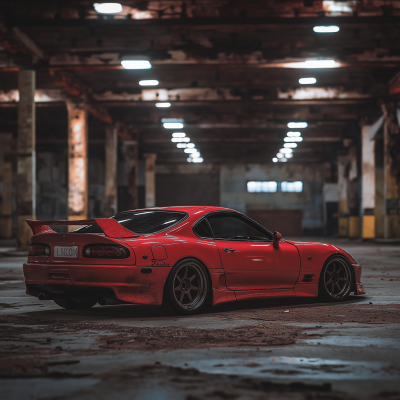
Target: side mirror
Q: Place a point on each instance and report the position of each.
(276, 237)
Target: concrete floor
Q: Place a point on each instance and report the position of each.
(286, 349)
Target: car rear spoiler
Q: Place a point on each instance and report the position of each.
(110, 227)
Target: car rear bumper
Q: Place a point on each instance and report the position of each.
(359, 289)
(128, 283)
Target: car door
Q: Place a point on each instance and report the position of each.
(248, 257)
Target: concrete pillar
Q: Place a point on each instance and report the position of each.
(380, 209)
(77, 163)
(150, 179)
(342, 191)
(6, 185)
(353, 196)
(111, 178)
(391, 185)
(26, 170)
(368, 184)
(131, 160)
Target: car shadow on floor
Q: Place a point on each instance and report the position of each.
(128, 311)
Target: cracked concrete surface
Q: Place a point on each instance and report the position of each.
(247, 350)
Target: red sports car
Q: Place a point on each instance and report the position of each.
(184, 258)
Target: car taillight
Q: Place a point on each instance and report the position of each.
(105, 251)
(39, 250)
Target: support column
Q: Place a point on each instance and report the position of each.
(6, 186)
(150, 179)
(343, 202)
(77, 163)
(353, 191)
(131, 159)
(390, 170)
(26, 175)
(380, 209)
(368, 184)
(111, 178)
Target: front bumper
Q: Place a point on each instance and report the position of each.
(359, 289)
(129, 283)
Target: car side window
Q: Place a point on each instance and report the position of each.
(203, 230)
(236, 227)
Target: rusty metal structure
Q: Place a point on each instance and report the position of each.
(229, 69)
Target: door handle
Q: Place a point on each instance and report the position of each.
(229, 250)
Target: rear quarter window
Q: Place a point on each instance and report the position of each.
(141, 222)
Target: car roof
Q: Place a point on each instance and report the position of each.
(187, 209)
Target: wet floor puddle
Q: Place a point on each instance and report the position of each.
(296, 367)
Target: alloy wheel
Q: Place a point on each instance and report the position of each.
(189, 286)
(337, 278)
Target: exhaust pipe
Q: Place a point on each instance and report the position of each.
(107, 301)
(42, 296)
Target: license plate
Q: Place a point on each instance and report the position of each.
(66, 252)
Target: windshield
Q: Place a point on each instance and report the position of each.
(141, 222)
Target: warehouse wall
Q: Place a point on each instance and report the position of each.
(187, 184)
(233, 192)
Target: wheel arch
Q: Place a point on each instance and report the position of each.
(335, 255)
(189, 258)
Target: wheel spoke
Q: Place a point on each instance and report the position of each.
(329, 282)
(338, 271)
(182, 296)
(179, 279)
(186, 273)
(178, 288)
(190, 296)
(194, 288)
(192, 277)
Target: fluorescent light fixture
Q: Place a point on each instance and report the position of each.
(190, 151)
(178, 134)
(189, 159)
(279, 155)
(293, 139)
(136, 64)
(307, 81)
(172, 125)
(290, 145)
(107, 8)
(149, 82)
(326, 29)
(289, 155)
(294, 134)
(163, 105)
(285, 150)
(190, 145)
(195, 154)
(275, 159)
(197, 159)
(283, 159)
(319, 64)
(181, 145)
(180, 140)
(297, 125)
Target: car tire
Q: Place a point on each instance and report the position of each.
(336, 279)
(188, 288)
(71, 304)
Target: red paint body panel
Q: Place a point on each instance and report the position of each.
(258, 270)
(263, 265)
